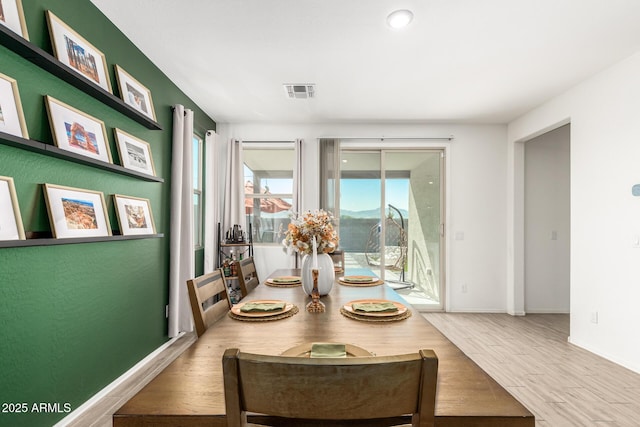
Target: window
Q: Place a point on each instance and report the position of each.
(197, 191)
(268, 178)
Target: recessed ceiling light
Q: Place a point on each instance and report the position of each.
(399, 18)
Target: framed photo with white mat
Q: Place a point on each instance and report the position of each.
(134, 93)
(75, 212)
(76, 131)
(12, 17)
(135, 154)
(134, 215)
(73, 50)
(11, 115)
(10, 220)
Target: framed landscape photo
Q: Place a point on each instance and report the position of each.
(74, 212)
(135, 154)
(12, 17)
(134, 94)
(10, 220)
(73, 50)
(134, 215)
(76, 131)
(11, 115)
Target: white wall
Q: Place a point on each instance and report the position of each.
(605, 151)
(547, 222)
(476, 198)
(485, 202)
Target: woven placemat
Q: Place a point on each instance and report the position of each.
(282, 285)
(379, 282)
(354, 316)
(289, 313)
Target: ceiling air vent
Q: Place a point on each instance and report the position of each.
(300, 91)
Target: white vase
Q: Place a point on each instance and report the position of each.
(326, 274)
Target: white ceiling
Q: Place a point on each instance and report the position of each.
(480, 61)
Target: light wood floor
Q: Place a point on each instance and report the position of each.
(101, 414)
(561, 384)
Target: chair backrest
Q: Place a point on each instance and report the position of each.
(208, 297)
(247, 276)
(329, 391)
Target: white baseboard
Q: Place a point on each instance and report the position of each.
(498, 311)
(559, 311)
(631, 365)
(80, 410)
(478, 310)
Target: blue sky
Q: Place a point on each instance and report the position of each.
(364, 194)
(357, 194)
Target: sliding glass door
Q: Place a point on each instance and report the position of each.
(390, 219)
(360, 211)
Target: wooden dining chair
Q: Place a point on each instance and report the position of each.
(362, 391)
(208, 298)
(247, 276)
(338, 259)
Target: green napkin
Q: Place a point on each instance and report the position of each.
(286, 279)
(325, 349)
(374, 307)
(252, 307)
(358, 279)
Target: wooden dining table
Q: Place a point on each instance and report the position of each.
(189, 392)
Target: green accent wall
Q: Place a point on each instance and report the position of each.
(75, 317)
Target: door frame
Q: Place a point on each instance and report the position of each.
(383, 149)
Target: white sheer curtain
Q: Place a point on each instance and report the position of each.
(296, 205)
(213, 202)
(234, 194)
(181, 267)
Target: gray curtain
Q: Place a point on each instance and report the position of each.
(330, 175)
(297, 177)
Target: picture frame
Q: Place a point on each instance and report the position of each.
(134, 153)
(12, 17)
(11, 114)
(76, 52)
(76, 131)
(76, 212)
(11, 227)
(134, 215)
(134, 93)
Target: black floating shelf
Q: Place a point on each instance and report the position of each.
(51, 241)
(48, 62)
(53, 151)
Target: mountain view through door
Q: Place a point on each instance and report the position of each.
(390, 219)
